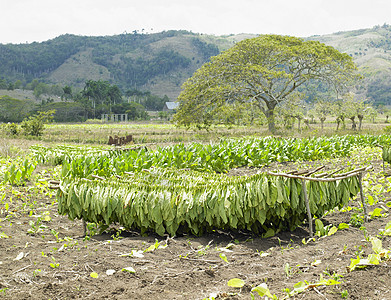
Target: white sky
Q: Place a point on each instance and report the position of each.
(24, 21)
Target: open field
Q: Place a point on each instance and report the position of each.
(146, 133)
(44, 255)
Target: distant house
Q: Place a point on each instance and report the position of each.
(170, 106)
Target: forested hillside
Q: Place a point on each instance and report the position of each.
(371, 51)
(161, 62)
(156, 62)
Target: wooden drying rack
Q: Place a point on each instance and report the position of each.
(325, 177)
(301, 175)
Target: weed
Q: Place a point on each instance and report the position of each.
(356, 220)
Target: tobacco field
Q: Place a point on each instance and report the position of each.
(224, 220)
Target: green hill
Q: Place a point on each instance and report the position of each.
(371, 51)
(161, 62)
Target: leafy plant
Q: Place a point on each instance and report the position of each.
(373, 259)
(263, 291)
(19, 172)
(356, 220)
(322, 230)
(386, 230)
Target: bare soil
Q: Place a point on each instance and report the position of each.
(40, 266)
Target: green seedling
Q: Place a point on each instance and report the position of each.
(155, 246)
(36, 272)
(54, 265)
(236, 283)
(36, 226)
(3, 290)
(263, 291)
(117, 236)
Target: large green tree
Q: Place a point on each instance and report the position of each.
(264, 71)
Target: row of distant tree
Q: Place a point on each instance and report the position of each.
(72, 105)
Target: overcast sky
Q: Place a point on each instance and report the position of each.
(24, 21)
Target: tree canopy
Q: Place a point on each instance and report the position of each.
(264, 71)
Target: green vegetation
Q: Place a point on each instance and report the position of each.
(130, 187)
(220, 157)
(264, 71)
(14, 110)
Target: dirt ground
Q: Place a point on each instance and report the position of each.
(55, 262)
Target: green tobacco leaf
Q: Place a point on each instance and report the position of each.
(223, 257)
(319, 227)
(269, 233)
(353, 263)
(129, 269)
(3, 235)
(376, 213)
(374, 259)
(332, 230)
(300, 287)
(236, 283)
(387, 229)
(371, 201)
(263, 290)
(343, 226)
(377, 246)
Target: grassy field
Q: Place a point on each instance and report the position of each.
(165, 133)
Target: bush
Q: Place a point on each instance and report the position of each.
(10, 129)
(35, 125)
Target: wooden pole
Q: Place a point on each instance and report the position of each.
(307, 205)
(316, 170)
(364, 205)
(313, 178)
(84, 228)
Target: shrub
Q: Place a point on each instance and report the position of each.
(10, 129)
(35, 125)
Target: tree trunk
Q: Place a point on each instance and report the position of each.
(322, 119)
(360, 118)
(307, 123)
(354, 126)
(269, 113)
(299, 122)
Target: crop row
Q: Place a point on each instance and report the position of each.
(220, 157)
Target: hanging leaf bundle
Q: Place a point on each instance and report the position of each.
(175, 201)
(387, 154)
